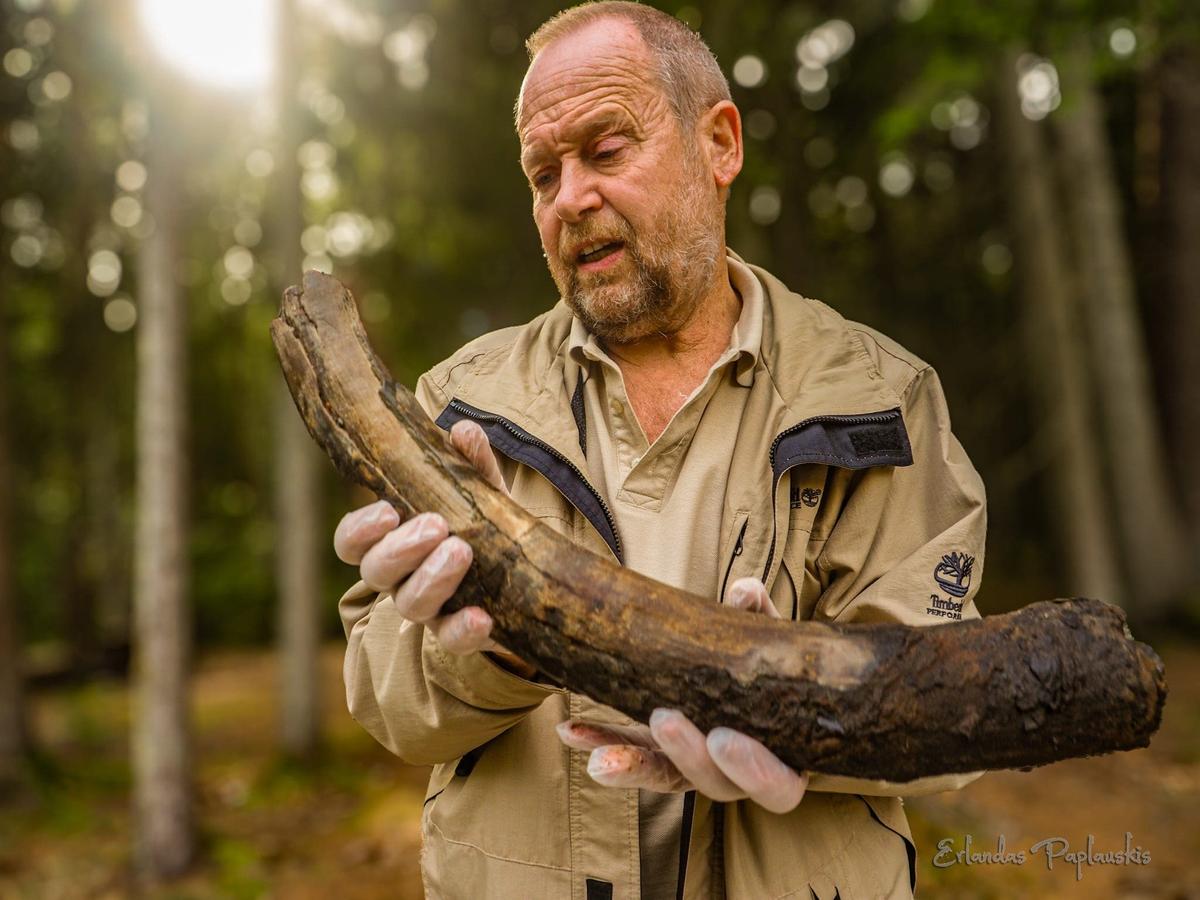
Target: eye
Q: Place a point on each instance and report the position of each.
(542, 180)
(607, 150)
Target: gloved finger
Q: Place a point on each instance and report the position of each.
(751, 595)
(360, 529)
(421, 595)
(464, 631)
(579, 734)
(762, 775)
(399, 552)
(684, 744)
(626, 766)
(472, 443)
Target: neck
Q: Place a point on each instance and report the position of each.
(695, 344)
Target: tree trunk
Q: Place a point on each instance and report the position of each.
(1056, 355)
(78, 588)
(870, 701)
(1150, 529)
(81, 369)
(12, 718)
(107, 545)
(297, 486)
(298, 576)
(1180, 299)
(163, 829)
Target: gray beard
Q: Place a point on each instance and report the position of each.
(648, 300)
(668, 282)
(655, 299)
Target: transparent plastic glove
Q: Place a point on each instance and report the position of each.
(673, 755)
(421, 565)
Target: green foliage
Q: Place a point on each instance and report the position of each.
(239, 869)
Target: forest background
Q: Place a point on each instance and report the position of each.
(1011, 189)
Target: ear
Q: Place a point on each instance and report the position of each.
(720, 134)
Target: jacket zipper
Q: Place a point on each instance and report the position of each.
(737, 551)
(865, 419)
(530, 439)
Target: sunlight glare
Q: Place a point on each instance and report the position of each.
(225, 43)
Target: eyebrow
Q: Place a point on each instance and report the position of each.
(609, 120)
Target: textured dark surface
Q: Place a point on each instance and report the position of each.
(1054, 680)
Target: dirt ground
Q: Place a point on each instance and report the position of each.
(347, 827)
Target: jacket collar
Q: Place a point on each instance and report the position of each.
(745, 343)
(815, 360)
(811, 361)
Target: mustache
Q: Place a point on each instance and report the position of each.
(591, 230)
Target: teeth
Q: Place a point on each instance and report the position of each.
(592, 248)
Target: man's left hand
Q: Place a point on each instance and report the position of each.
(673, 755)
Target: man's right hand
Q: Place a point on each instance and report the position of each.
(421, 564)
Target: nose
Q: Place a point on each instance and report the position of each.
(577, 193)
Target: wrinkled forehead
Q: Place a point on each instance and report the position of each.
(604, 62)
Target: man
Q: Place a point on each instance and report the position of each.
(688, 414)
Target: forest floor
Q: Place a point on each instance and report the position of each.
(347, 826)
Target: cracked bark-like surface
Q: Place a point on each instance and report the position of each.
(1054, 680)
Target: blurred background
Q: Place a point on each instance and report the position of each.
(1011, 189)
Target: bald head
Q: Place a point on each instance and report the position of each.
(677, 58)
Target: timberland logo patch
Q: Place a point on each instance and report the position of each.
(809, 497)
(943, 608)
(953, 573)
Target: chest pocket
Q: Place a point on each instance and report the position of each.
(797, 590)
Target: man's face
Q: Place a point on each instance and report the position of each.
(628, 213)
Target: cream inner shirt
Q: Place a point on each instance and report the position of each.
(667, 501)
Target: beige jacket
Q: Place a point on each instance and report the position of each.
(847, 495)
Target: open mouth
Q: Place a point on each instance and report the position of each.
(596, 252)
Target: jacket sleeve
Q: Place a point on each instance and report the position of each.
(905, 536)
(425, 705)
